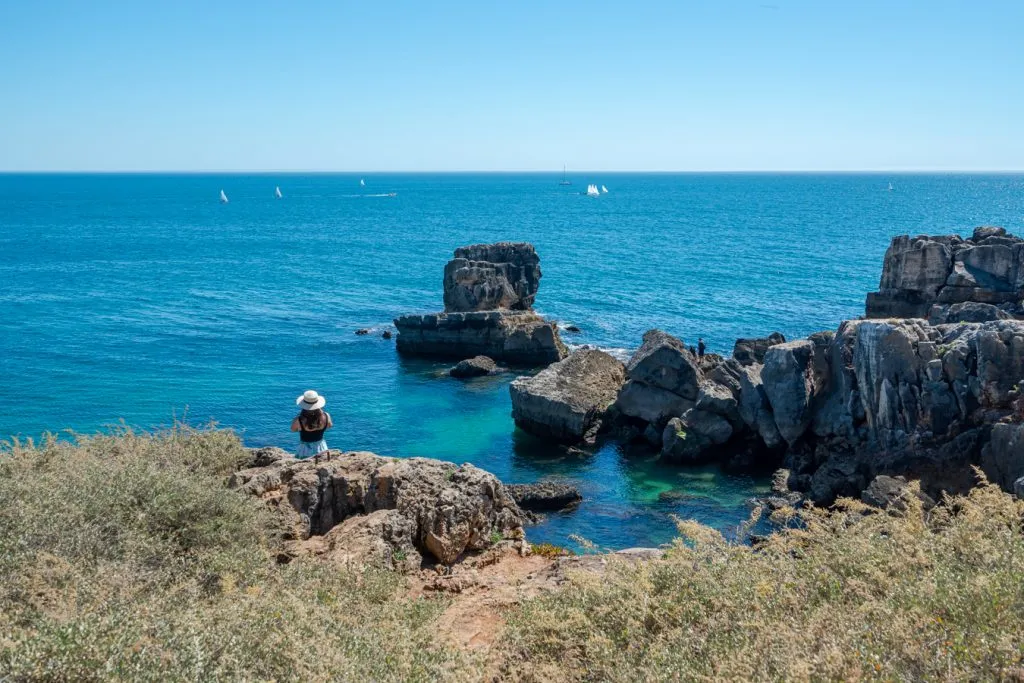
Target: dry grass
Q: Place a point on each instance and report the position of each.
(124, 557)
(848, 595)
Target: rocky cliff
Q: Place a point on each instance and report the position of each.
(489, 290)
(927, 276)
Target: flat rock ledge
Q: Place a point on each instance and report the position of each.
(544, 496)
(364, 509)
(568, 401)
(518, 337)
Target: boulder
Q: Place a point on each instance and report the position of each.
(752, 350)
(754, 408)
(489, 277)
(967, 312)
(519, 337)
(477, 366)
(382, 539)
(691, 437)
(662, 361)
(793, 376)
(443, 508)
(544, 496)
(268, 455)
(650, 404)
(567, 401)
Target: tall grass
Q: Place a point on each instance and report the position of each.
(848, 595)
(124, 557)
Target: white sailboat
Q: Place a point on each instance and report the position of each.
(890, 187)
(604, 190)
(362, 183)
(277, 192)
(592, 191)
(223, 197)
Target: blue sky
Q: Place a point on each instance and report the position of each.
(370, 86)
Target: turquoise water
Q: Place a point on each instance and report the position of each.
(140, 297)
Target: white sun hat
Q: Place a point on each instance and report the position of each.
(310, 400)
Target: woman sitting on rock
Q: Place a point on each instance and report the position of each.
(311, 424)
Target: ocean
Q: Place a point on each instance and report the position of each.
(141, 298)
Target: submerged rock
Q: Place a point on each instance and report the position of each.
(442, 509)
(544, 496)
(476, 366)
(567, 401)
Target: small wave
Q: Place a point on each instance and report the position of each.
(620, 353)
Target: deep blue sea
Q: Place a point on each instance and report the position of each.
(142, 298)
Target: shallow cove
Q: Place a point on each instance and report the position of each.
(137, 297)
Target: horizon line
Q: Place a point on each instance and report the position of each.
(922, 171)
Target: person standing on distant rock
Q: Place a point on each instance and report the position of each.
(700, 347)
(311, 424)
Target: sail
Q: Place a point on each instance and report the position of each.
(277, 192)
(592, 191)
(223, 197)
(604, 190)
(362, 183)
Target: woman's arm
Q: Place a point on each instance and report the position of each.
(330, 422)
(295, 424)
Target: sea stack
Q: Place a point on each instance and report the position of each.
(489, 290)
(949, 279)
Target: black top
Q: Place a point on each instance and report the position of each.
(314, 435)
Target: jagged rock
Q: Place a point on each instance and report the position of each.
(650, 404)
(383, 538)
(386, 334)
(268, 455)
(921, 271)
(520, 337)
(968, 312)
(1002, 458)
(718, 399)
(450, 508)
(888, 492)
(664, 362)
(689, 438)
(477, 366)
(573, 328)
(544, 496)
(750, 351)
(1018, 488)
(754, 408)
(362, 332)
(793, 377)
(489, 277)
(567, 401)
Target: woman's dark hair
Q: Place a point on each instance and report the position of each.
(312, 420)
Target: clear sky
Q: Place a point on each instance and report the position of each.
(515, 85)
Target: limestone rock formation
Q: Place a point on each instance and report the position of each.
(435, 508)
(519, 337)
(567, 401)
(919, 272)
(490, 277)
(477, 366)
(664, 381)
(544, 496)
(750, 351)
(489, 290)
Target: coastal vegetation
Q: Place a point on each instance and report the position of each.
(124, 556)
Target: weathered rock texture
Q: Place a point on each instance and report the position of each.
(923, 272)
(489, 291)
(477, 366)
(489, 277)
(567, 401)
(385, 511)
(519, 337)
(544, 496)
(663, 381)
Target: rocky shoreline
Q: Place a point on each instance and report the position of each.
(925, 386)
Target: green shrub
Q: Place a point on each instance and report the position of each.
(125, 557)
